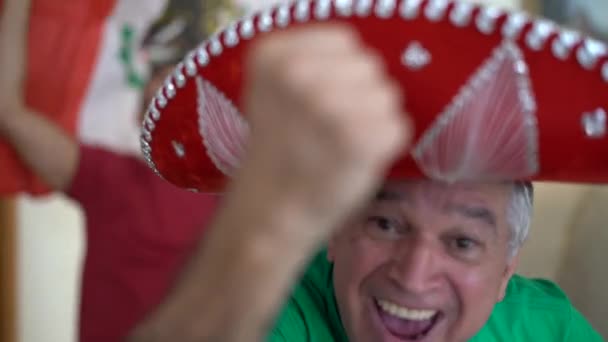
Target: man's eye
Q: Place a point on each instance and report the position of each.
(464, 244)
(382, 223)
(383, 228)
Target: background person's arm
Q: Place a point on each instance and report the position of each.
(14, 20)
(42, 145)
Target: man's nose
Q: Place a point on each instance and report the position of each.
(414, 267)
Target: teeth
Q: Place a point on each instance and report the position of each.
(405, 313)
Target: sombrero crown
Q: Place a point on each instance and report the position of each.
(494, 94)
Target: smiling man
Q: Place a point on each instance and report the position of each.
(431, 262)
(426, 259)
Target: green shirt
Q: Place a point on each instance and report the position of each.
(532, 310)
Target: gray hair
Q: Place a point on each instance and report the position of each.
(519, 215)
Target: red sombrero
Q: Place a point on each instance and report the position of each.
(494, 94)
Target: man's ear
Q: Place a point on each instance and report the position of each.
(506, 276)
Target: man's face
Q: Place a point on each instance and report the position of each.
(424, 262)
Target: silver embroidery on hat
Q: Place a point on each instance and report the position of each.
(415, 56)
(589, 53)
(154, 112)
(170, 88)
(146, 134)
(153, 167)
(145, 146)
(302, 12)
(161, 100)
(564, 43)
(202, 56)
(215, 46)
(178, 148)
(478, 139)
(147, 151)
(363, 8)
(222, 127)
(283, 16)
(247, 30)
(538, 35)
(462, 13)
(322, 9)
(231, 37)
(344, 8)
(594, 123)
(410, 9)
(514, 24)
(149, 123)
(146, 154)
(265, 21)
(435, 10)
(180, 79)
(385, 8)
(190, 64)
(486, 19)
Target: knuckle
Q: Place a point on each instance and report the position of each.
(295, 71)
(343, 35)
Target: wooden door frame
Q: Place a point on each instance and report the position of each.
(8, 271)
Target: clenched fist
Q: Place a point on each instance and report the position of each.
(325, 123)
(325, 120)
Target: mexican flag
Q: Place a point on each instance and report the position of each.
(85, 73)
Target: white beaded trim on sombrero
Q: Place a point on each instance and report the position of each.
(588, 51)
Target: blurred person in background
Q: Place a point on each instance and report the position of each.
(139, 228)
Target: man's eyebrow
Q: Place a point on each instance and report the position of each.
(475, 212)
(480, 213)
(387, 195)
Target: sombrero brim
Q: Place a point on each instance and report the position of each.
(494, 94)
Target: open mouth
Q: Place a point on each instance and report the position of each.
(405, 323)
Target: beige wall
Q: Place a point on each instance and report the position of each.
(584, 272)
(569, 244)
(554, 206)
(50, 248)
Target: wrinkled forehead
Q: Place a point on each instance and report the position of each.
(492, 196)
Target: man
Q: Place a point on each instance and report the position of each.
(139, 228)
(405, 261)
(431, 262)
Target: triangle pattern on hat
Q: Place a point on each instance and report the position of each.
(489, 129)
(222, 127)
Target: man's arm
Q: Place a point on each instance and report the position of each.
(42, 145)
(236, 282)
(314, 156)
